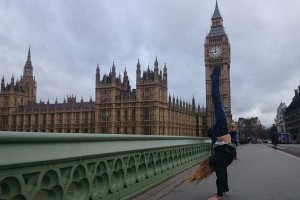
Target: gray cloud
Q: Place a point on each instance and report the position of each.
(68, 39)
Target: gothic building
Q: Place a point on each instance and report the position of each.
(17, 93)
(292, 117)
(20, 112)
(279, 120)
(117, 108)
(217, 52)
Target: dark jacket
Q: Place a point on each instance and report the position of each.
(233, 135)
(274, 135)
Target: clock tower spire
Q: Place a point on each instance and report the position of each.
(217, 52)
(217, 12)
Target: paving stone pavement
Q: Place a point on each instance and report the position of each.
(259, 173)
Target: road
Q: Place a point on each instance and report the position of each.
(293, 149)
(259, 173)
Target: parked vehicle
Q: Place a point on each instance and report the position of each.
(284, 138)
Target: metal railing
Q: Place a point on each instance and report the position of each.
(91, 166)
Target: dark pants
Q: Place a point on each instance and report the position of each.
(220, 126)
(220, 160)
(223, 154)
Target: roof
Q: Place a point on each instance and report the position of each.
(294, 104)
(216, 14)
(58, 106)
(216, 31)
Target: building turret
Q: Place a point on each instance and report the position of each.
(126, 80)
(193, 104)
(148, 74)
(18, 85)
(2, 84)
(113, 68)
(156, 65)
(156, 76)
(28, 69)
(216, 14)
(217, 18)
(160, 75)
(113, 73)
(217, 52)
(138, 72)
(12, 83)
(27, 81)
(165, 75)
(97, 75)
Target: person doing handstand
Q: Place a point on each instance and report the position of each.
(224, 150)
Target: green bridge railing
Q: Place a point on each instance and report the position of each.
(89, 166)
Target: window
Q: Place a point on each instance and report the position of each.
(77, 117)
(125, 115)
(52, 118)
(118, 115)
(133, 115)
(146, 114)
(60, 119)
(86, 118)
(147, 93)
(68, 119)
(105, 115)
(44, 118)
(105, 95)
(28, 119)
(147, 130)
(14, 119)
(36, 118)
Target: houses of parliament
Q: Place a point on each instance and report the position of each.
(117, 108)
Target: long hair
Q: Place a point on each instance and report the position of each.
(203, 171)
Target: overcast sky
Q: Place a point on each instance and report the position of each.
(68, 38)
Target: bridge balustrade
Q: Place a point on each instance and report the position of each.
(91, 166)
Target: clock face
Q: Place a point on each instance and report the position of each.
(215, 51)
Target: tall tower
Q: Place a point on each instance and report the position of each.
(152, 99)
(28, 82)
(15, 93)
(217, 52)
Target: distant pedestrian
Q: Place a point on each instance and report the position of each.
(234, 136)
(242, 139)
(274, 136)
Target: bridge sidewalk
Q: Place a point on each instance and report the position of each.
(260, 173)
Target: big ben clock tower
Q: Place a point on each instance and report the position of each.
(217, 52)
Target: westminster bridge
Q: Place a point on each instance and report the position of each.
(91, 166)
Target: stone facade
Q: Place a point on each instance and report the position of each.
(117, 108)
(217, 52)
(279, 120)
(292, 116)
